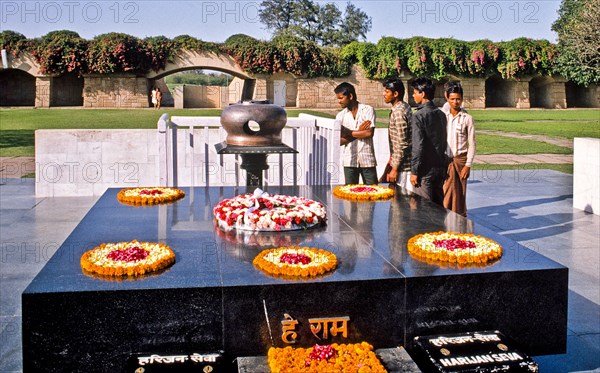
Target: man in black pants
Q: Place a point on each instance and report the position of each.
(429, 161)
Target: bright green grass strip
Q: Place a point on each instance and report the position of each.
(12, 119)
(31, 119)
(18, 151)
(490, 144)
(536, 115)
(525, 167)
(564, 129)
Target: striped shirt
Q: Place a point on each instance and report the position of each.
(360, 152)
(399, 136)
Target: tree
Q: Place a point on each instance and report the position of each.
(277, 15)
(355, 25)
(579, 41)
(322, 24)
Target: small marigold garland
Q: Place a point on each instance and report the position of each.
(149, 195)
(127, 258)
(459, 248)
(360, 192)
(358, 357)
(295, 261)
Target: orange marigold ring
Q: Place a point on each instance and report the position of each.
(459, 248)
(357, 357)
(295, 261)
(127, 258)
(359, 192)
(149, 195)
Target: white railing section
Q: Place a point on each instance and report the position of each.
(187, 155)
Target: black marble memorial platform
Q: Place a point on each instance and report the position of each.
(213, 299)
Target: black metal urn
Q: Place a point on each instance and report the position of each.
(270, 118)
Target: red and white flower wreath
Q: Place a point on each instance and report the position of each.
(261, 211)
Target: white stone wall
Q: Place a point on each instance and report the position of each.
(586, 174)
(87, 162)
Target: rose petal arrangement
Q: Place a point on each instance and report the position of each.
(261, 211)
(295, 262)
(149, 195)
(127, 258)
(360, 192)
(358, 357)
(459, 248)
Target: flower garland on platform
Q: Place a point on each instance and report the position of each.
(127, 258)
(149, 195)
(358, 357)
(459, 248)
(360, 192)
(295, 262)
(261, 211)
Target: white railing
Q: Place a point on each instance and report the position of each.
(187, 154)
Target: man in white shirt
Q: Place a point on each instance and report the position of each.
(358, 128)
(460, 150)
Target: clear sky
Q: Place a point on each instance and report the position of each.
(216, 20)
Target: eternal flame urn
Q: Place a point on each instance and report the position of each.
(253, 145)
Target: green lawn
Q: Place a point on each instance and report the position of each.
(17, 125)
(491, 144)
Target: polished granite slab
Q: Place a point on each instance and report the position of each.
(213, 299)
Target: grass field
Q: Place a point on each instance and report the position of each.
(17, 126)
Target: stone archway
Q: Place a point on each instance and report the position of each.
(243, 86)
(579, 96)
(499, 92)
(17, 88)
(66, 90)
(540, 92)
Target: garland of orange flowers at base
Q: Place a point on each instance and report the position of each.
(459, 248)
(295, 261)
(127, 258)
(149, 195)
(358, 357)
(360, 192)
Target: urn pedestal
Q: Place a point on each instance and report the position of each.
(253, 145)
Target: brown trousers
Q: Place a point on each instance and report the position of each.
(455, 189)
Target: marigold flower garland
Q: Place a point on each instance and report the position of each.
(459, 248)
(358, 357)
(360, 192)
(127, 258)
(261, 211)
(149, 195)
(295, 261)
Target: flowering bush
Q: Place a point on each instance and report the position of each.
(285, 53)
(442, 57)
(14, 42)
(64, 51)
(60, 52)
(117, 53)
(524, 56)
